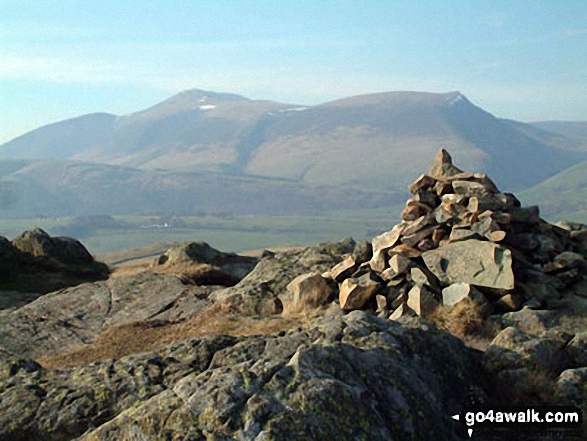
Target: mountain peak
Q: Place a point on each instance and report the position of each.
(191, 99)
(206, 95)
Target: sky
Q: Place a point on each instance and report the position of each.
(524, 60)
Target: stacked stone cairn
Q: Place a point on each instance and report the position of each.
(460, 238)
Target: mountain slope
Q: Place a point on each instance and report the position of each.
(563, 196)
(381, 140)
(61, 140)
(64, 188)
(573, 130)
(376, 141)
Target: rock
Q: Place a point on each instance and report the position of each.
(501, 217)
(579, 240)
(402, 311)
(569, 259)
(71, 318)
(418, 224)
(441, 188)
(569, 277)
(537, 284)
(405, 250)
(509, 302)
(531, 321)
(480, 204)
(528, 215)
(9, 260)
(363, 252)
(258, 292)
(571, 388)
(472, 261)
(525, 242)
(438, 235)
(577, 348)
(414, 210)
(381, 244)
(415, 238)
(381, 303)
(306, 292)
(514, 349)
(64, 249)
(363, 268)
(36, 264)
(469, 188)
(422, 300)
(424, 182)
(570, 226)
(459, 201)
(497, 236)
(312, 387)
(202, 253)
(532, 303)
(356, 292)
(485, 226)
(400, 264)
(421, 276)
(461, 234)
(79, 400)
(344, 269)
(426, 244)
(427, 198)
(457, 292)
(442, 166)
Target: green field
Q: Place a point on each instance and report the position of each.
(227, 233)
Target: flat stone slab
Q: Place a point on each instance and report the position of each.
(474, 262)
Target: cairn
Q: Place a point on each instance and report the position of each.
(460, 238)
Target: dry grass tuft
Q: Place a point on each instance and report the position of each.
(466, 320)
(536, 389)
(118, 341)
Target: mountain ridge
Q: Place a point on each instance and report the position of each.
(374, 142)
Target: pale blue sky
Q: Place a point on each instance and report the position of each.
(525, 60)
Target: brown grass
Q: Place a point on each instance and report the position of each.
(537, 389)
(466, 320)
(118, 341)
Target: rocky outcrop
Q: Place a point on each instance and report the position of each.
(9, 261)
(259, 291)
(74, 317)
(63, 249)
(35, 263)
(195, 253)
(347, 377)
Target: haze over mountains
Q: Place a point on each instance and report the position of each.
(201, 151)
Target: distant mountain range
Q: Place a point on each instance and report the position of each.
(205, 151)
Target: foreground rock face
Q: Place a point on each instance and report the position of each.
(71, 318)
(345, 377)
